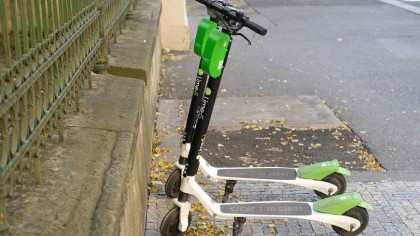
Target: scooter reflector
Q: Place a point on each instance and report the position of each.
(204, 29)
(214, 53)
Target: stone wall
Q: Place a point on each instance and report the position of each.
(95, 182)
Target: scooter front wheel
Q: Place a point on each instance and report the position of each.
(170, 222)
(173, 184)
(338, 180)
(359, 214)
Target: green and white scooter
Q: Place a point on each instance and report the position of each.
(326, 178)
(347, 213)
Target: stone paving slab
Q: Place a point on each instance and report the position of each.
(396, 203)
(296, 111)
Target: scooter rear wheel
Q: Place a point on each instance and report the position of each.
(338, 180)
(173, 184)
(359, 214)
(170, 222)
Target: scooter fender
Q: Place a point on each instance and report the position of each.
(319, 171)
(343, 171)
(338, 205)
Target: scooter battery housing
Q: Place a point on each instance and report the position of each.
(215, 53)
(205, 27)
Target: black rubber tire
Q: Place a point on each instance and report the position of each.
(338, 180)
(173, 184)
(169, 225)
(359, 214)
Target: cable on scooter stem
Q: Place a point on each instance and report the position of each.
(233, 14)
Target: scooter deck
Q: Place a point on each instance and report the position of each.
(267, 208)
(268, 173)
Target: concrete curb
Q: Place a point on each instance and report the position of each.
(111, 204)
(137, 42)
(408, 176)
(125, 184)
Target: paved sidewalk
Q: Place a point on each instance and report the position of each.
(396, 203)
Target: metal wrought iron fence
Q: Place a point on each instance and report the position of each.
(112, 13)
(47, 50)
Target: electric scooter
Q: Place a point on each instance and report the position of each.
(326, 178)
(347, 213)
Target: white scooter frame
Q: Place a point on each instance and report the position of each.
(331, 181)
(190, 186)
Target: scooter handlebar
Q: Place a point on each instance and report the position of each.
(214, 5)
(255, 27)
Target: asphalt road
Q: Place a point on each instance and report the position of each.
(360, 56)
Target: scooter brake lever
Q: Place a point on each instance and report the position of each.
(243, 36)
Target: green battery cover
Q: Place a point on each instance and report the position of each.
(205, 27)
(214, 53)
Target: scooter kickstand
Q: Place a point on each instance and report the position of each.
(238, 225)
(230, 184)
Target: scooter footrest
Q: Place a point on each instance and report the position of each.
(267, 208)
(258, 173)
